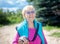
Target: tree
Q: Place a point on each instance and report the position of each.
(10, 17)
(48, 11)
(3, 18)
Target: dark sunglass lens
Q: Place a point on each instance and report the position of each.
(28, 12)
(32, 11)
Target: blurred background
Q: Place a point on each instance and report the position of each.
(48, 12)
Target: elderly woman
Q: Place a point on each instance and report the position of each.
(29, 28)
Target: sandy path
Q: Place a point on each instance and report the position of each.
(51, 39)
(7, 34)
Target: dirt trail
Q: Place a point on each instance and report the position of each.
(7, 34)
(51, 39)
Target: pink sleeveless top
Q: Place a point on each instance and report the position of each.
(31, 35)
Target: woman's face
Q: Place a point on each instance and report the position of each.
(30, 14)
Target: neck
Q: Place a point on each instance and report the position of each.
(30, 24)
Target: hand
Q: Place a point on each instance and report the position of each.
(26, 42)
(20, 42)
(23, 40)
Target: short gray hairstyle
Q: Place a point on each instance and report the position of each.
(25, 8)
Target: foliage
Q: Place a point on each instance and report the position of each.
(48, 10)
(10, 17)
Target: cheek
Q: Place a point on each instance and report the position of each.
(34, 15)
(26, 16)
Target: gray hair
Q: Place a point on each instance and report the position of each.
(25, 8)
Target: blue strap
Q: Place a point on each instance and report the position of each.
(22, 29)
(41, 33)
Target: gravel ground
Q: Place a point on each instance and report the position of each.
(7, 34)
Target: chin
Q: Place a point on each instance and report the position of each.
(31, 19)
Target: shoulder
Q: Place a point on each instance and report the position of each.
(20, 26)
(40, 23)
(36, 21)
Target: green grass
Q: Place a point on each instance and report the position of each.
(56, 34)
(1, 25)
(48, 28)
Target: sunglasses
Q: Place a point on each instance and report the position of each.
(30, 12)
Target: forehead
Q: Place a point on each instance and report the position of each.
(29, 8)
